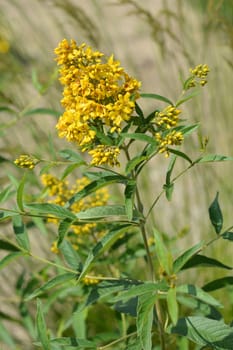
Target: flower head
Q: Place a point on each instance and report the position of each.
(26, 161)
(170, 139)
(105, 155)
(168, 118)
(98, 97)
(199, 75)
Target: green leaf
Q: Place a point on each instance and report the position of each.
(144, 321)
(156, 97)
(8, 258)
(56, 281)
(46, 111)
(6, 193)
(217, 284)
(70, 254)
(215, 215)
(21, 232)
(132, 164)
(205, 331)
(72, 156)
(108, 240)
(213, 158)
(6, 338)
(228, 235)
(7, 214)
(4, 245)
(20, 190)
(105, 212)
(73, 342)
(198, 293)
(180, 154)
(187, 129)
(140, 289)
(41, 327)
(95, 185)
(164, 256)
(130, 190)
(139, 110)
(106, 288)
(172, 305)
(204, 261)
(49, 209)
(69, 170)
(139, 137)
(180, 262)
(63, 228)
(187, 97)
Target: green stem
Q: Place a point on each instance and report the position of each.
(109, 345)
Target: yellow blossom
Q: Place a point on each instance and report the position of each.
(89, 280)
(105, 155)
(54, 249)
(199, 73)
(170, 139)
(26, 161)
(168, 118)
(98, 94)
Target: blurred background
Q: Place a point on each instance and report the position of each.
(157, 41)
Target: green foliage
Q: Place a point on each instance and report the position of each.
(107, 255)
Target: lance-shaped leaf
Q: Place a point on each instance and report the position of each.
(204, 261)
(41, 327)
(198, 293)
(72, 156)
(168, 186)
(144, 321)
(106, 288)
(21, 232)
(205, 331)
(8, 258)
(108, 240)
(56, 281)
(172, 305)
(156, 97)
(228, 235)
(163, 254)
(71, 256)
(4, 245)
(217, 284)
(186, 256)
(63, 229)
(134, 162)
(215, 215)
(213, 158)
(137, 290)
(187, 97)
(130, 190)
(49, 209)
(20, 190)
(73, 342)
(180, 154)
(95, 185)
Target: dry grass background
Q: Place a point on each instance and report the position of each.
(155, 40)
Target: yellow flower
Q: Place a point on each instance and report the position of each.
(170, 139)
(89, 280)
(105, 155)
(168, 118)
(54, 249)
(4, 45)
(26, 161)
(98, 94)
(199, 73)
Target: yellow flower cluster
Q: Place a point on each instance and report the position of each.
(60, 192)
(199, 73)
(105, 155)
(170, 139)
(167, 118)
(26, 161)
(89, 280)
(98, 95)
